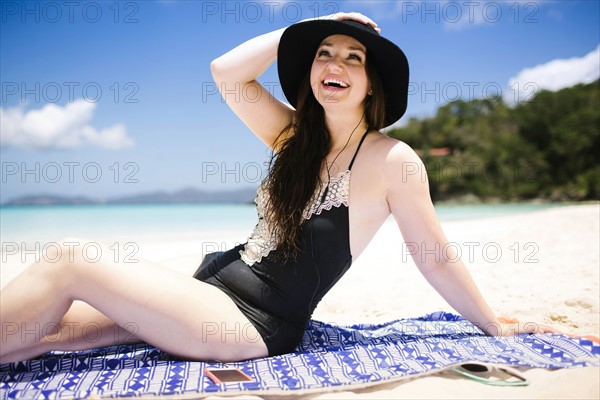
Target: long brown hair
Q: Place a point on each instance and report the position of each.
(295, 169)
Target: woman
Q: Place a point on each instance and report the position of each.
(333, 181)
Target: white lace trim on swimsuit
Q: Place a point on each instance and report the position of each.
(262, 242)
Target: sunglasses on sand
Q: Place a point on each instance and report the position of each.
(491, 374)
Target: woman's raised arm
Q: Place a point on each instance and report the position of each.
(235, 74)
(236, 71)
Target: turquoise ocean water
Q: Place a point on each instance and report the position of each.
(49, 223)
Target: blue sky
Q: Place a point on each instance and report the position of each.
(105, 98)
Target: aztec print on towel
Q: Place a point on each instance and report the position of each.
(329, 358)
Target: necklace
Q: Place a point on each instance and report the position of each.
(343, 148)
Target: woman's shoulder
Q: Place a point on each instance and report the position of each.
(397, 163)
(392, 150)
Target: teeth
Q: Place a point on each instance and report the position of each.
(335, 82)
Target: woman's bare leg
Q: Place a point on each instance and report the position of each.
(83, 327)
(175, 312)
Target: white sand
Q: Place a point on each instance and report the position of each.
(541, 267)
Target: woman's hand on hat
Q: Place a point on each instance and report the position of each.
(354, 16)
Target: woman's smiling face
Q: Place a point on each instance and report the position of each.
(338, 74)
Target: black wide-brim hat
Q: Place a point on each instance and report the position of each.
(299, 43)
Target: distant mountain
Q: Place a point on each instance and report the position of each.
(189, 195)
(46, 200)
(184, 196)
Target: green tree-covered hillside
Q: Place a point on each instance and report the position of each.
(547, 147)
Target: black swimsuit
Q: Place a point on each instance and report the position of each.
(279, 298)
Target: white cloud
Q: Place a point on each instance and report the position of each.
(555, 75)
(56, 127)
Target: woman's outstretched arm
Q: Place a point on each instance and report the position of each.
(410, 203)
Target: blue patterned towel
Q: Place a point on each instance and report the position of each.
(329, 358)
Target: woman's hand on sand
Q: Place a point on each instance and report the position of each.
(354, 16)
(517, 328)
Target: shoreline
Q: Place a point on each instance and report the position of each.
(147, 222)
(454, 200)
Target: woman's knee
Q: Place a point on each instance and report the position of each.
(61, 259)
(73, 251)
